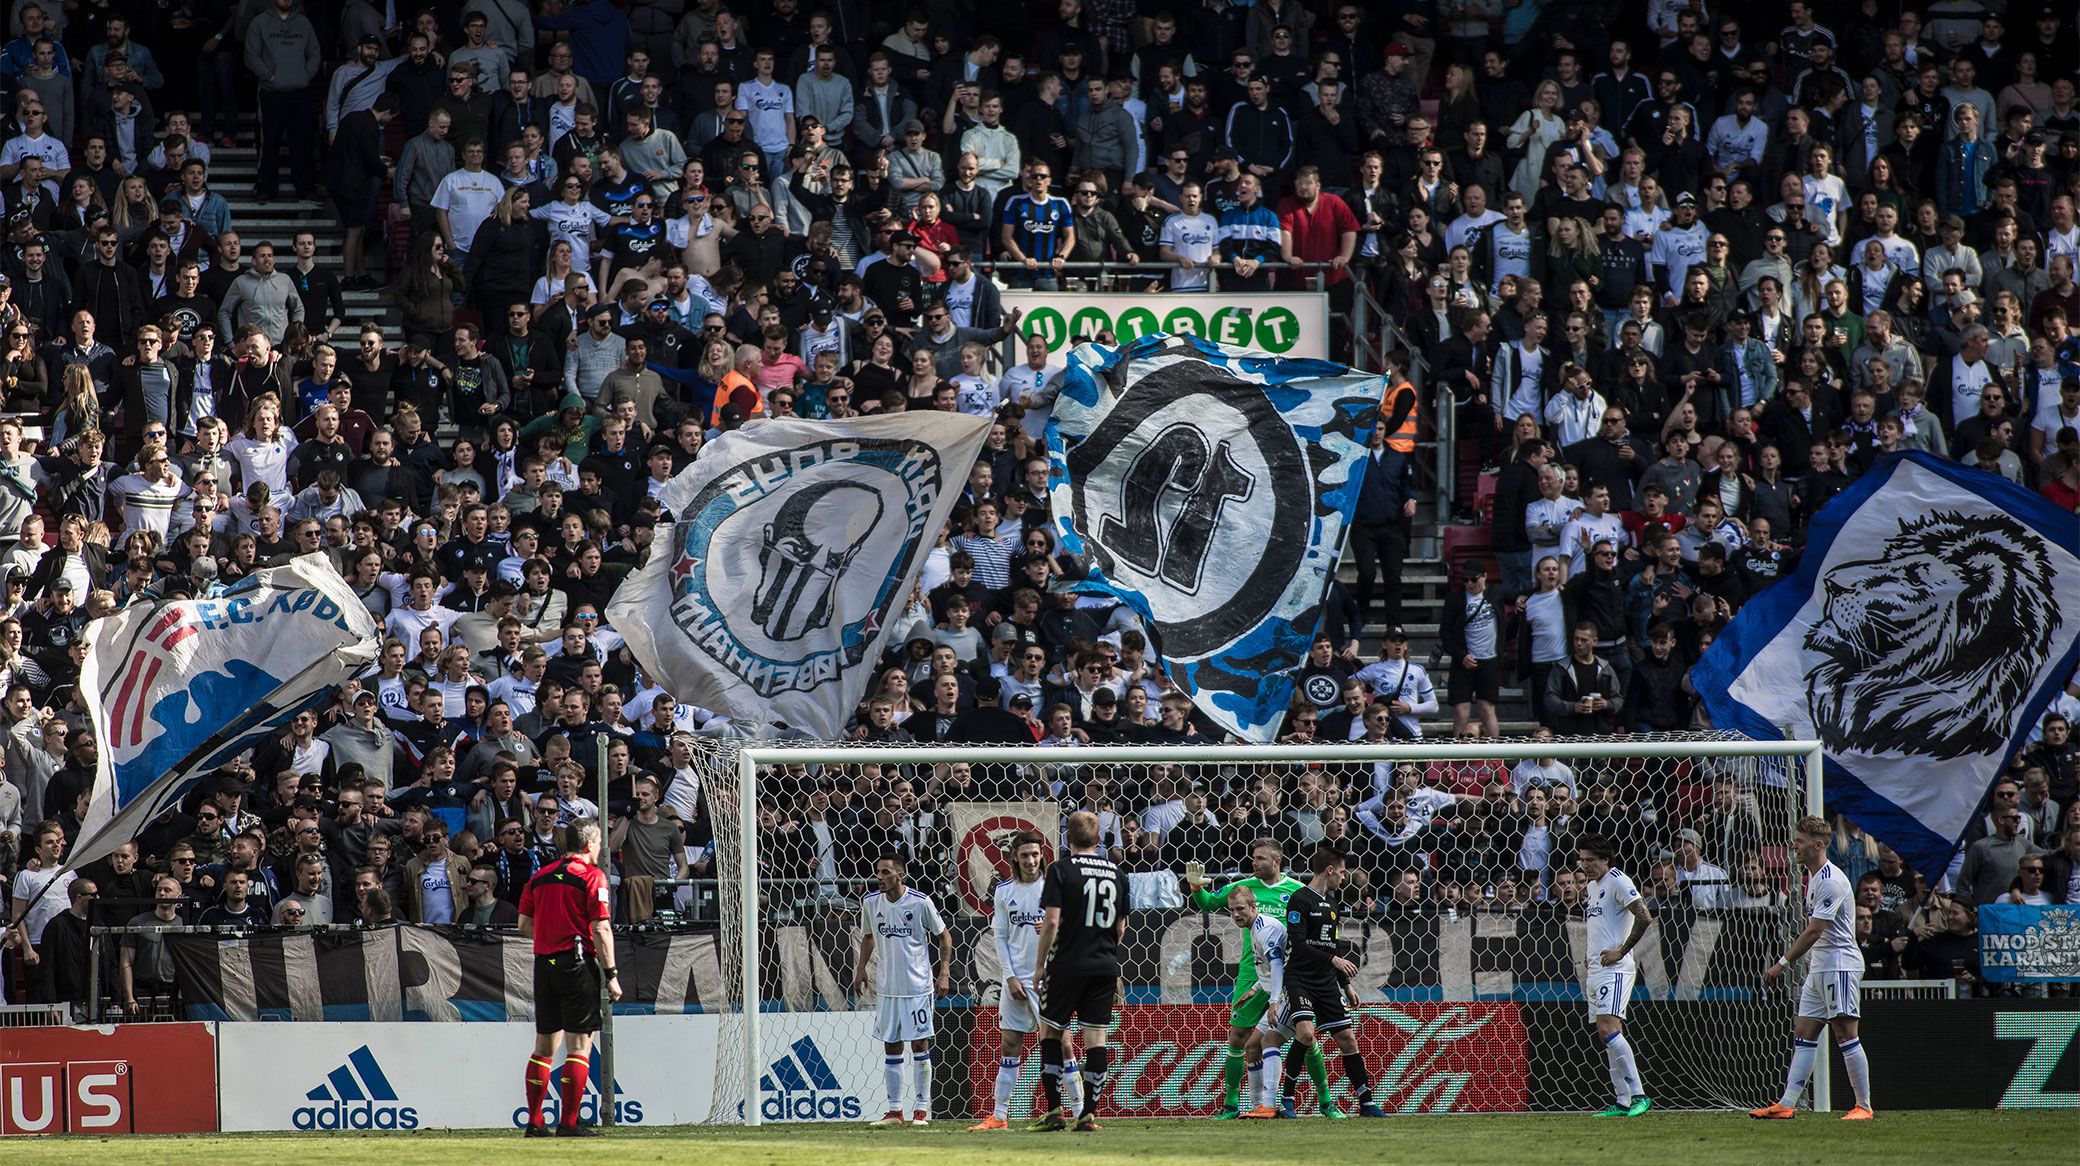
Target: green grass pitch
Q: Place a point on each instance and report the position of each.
(1941, 1136)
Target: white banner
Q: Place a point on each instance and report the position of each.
(794, 542)
(355, 1076)
(176, 689)
(1280, 323)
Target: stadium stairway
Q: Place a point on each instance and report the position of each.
(1425, 578)
(233, 173)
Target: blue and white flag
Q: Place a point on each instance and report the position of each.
(178, 688)
(1209, 489)
(795, 541)
(1934, 616)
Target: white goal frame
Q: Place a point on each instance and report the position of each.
(751, 755)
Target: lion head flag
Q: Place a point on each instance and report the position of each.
(792, 543)
(1934, 616)
(177, 688)
(1209, 489)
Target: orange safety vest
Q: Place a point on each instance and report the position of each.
(739, 390)
(1398, 413)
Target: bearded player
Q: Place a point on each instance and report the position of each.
(1618, 920)
(913, 939)
(1015, 923)
(1271, 887)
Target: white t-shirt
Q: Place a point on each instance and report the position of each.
(769, 103)
(469, 199)
(974, 396)
(575, 224)
(263, 461)
(28, 884)
(1016, 926)
(1609, 914)
(1831, 897)
(903, 933)
(1192, 236)
(1585, 530)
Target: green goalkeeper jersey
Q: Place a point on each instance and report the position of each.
(1271, 900)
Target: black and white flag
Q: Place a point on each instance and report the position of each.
(795, 542)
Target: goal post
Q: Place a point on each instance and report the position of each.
(1470, 971)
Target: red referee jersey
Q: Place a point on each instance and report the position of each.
(564, 899)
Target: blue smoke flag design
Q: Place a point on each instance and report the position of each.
(1929, 624)
(1209, 489)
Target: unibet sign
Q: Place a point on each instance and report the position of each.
(1282, 324)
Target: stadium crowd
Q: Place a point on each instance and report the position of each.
(1678, 275)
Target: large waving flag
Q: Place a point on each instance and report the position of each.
(1934, 616)
(176, 689)
(1209, 489)
(794, 542)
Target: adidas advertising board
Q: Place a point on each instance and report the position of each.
(406, 1076)
(814, 1067)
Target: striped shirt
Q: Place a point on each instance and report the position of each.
(148, 504)
(992, 557)
(1038, 225)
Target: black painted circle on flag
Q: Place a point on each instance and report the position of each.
(1196, 493)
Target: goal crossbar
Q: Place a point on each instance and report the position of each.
(751, 755)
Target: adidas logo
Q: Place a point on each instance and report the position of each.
(355, 1096)
(800, 1086)
(627, 1110)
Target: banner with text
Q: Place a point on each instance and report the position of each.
(1428, 1058)
(409, 972)
(117, 1079)
(2020, 943)
(359, 1077)
(1280, 323)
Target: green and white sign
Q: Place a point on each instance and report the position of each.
(1280, 323)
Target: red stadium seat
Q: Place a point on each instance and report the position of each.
(1464, 542)
(1484, 498)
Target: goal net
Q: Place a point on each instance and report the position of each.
(1464, 911)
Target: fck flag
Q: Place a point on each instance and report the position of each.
(1930, 622)
(1209, 489)
(178, 688)
(793, 544)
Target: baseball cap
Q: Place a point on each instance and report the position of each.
(1690, 836)
(1023, 698)
(1396, 632)
(1396, 49)
(913, 126)
(598, 310)
(369, 38)
(365, 696)
(1686, 199)
(1104, 696)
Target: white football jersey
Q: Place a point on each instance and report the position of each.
(1016, 925)
(903, 934)
(1268, 948)
(1832, 897)
(1609, 915)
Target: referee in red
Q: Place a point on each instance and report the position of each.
(566, 909)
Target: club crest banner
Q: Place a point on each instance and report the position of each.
(1929, 624)
(177, 689)
(793, 543)
(1209, 489)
